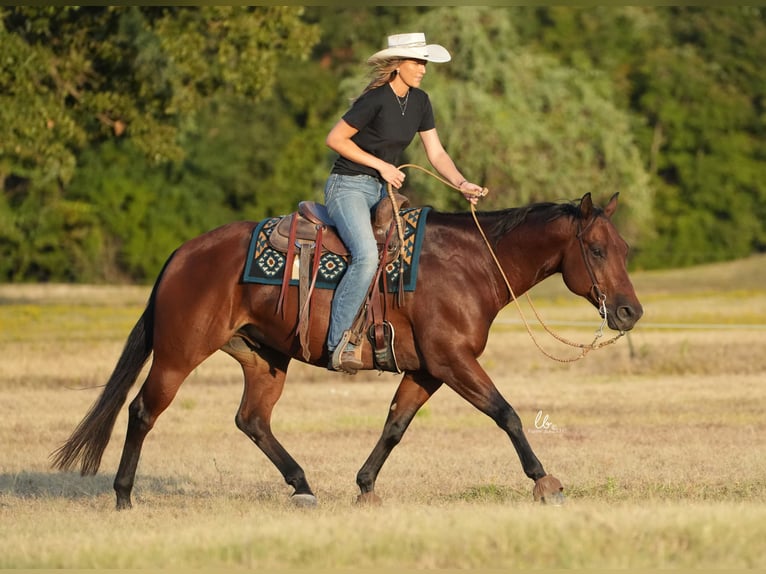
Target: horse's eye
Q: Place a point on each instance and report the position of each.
(597, 252)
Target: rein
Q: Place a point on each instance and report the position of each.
(600, 295)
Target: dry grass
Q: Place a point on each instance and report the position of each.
(659, 441)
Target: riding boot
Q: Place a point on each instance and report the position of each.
(346, 357)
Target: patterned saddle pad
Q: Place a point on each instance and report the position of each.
(266, 265)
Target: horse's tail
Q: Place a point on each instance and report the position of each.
(90, 438)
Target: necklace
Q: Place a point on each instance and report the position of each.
(401, 101)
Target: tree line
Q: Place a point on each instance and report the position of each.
(125, 131)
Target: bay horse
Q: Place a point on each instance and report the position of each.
(199, 305)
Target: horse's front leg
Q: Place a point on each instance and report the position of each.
(413, 392)
(465, 375)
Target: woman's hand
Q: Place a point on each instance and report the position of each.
(471, 191)
(391, 174)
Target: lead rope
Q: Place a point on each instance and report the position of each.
(400, 234)
(584, 348)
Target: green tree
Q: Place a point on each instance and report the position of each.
(77, 75)
(703, 98)
(142, 212)
(691, 79)
(73, 78)
(45, 237)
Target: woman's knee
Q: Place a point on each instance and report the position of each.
(366, 255)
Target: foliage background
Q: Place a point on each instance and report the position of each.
(126, 130)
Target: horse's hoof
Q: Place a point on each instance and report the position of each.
(304, 500)
(548, 490)
(369, 499)
(554, 499)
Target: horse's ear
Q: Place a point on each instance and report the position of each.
(611, 207)
(586, 207)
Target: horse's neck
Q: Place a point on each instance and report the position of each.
(531, 252)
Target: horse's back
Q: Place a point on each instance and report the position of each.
(226, 237)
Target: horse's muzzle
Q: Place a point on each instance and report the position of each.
(624, 315)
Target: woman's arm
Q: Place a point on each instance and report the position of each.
(339, 140)
(443, 163)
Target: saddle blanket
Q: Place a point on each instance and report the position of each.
(266, 266)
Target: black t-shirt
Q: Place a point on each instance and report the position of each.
(382, 129)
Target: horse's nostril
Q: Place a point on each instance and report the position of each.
(625, 313)
(628, 313)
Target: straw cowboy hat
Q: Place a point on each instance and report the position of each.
(413, 47)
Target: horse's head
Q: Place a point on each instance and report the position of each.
(594, 265)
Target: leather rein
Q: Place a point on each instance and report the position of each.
(595, 290)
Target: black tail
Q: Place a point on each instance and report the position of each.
(90, 438)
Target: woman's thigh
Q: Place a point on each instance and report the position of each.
(349, 200)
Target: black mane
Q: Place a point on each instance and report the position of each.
(499, 223)
(509, 219)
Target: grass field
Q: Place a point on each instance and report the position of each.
(660, 441)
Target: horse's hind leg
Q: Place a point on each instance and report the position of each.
(156, 394)
(265, 371)
(413, 392)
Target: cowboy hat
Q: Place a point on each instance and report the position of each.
(411, 47)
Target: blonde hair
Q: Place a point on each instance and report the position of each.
(383, 72)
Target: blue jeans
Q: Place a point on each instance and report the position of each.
(349, 199)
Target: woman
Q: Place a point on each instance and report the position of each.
(369, 139)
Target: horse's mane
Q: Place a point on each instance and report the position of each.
(499, 223)
(509, 219)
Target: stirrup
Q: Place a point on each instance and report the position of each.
(337, 364)
(383, 356)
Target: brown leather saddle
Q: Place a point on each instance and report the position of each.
(312, 226)
(309, 233)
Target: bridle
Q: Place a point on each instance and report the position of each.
(595, 290)
(599, 297)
